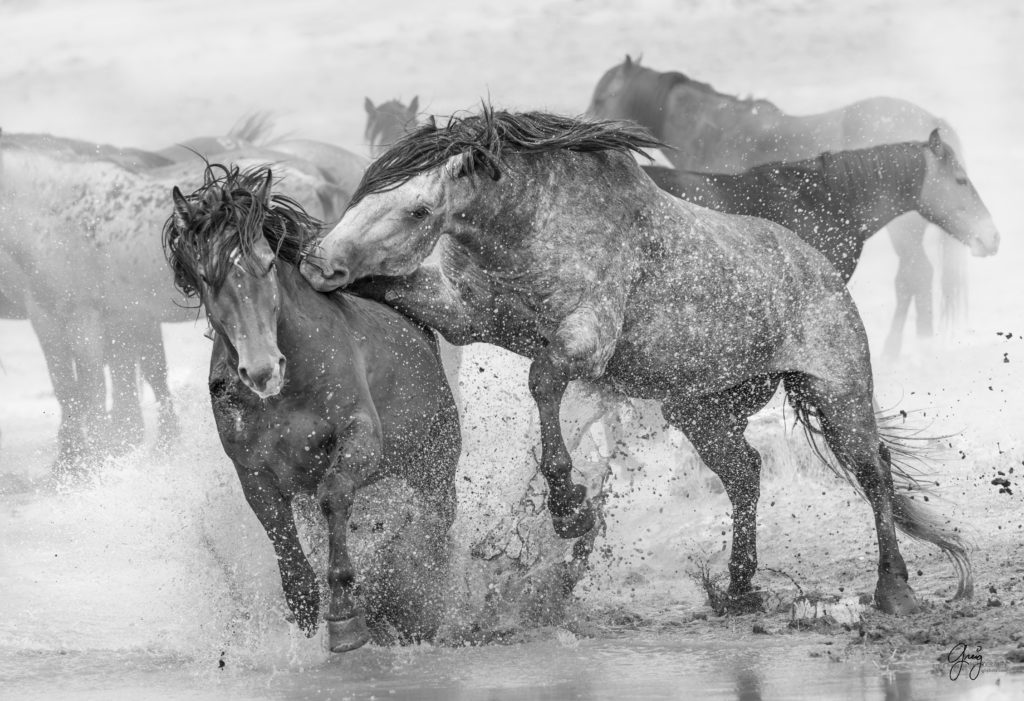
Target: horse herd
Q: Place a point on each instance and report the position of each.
(538, 233)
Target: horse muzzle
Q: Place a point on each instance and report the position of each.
(265, 380)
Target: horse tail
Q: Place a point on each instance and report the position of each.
(905, 452)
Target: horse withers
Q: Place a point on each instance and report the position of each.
(836, 201)
(556, 246)
(313, 393)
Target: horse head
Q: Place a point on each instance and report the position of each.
(387, 123)
(223, 242)
(948, 198)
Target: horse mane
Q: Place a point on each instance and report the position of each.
(229, 214)
(64, 148)
(856, 173)
(488, 137)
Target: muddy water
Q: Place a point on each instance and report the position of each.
(637, 667)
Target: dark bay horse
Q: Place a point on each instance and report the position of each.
(836, 201)
(714, 132)
(388, 122)
(80, 247)
(311, 393)
(556, 246)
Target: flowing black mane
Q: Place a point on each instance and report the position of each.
(488, 136)
(852, 176)
(894, 168)
(229, 214)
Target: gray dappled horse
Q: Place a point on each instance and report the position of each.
(81, 232)
(315, 394)
(714, 132)
(555, 245)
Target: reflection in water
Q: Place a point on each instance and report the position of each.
(748, 685)
(637, 665)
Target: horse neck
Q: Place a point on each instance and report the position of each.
(300, 304)
(878, 183)
(646, 98)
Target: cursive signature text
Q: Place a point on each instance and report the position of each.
(959, 658)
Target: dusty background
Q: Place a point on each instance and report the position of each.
(149, 74)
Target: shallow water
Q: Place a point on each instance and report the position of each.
(638, 667)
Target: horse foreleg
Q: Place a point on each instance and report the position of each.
(359, 454)
(126, 415)
(62, 376)
(153, 363)
(274, 511)
(913, 280)
(580, 348)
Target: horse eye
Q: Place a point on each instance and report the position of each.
(419, 213)
(961, 180)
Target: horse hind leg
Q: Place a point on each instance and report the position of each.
(848, 424)
(715, 427)
(412, 596)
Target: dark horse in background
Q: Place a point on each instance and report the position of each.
(713, 132)
(313, 393)
(836, 201)
(388, 122)
(555, 245)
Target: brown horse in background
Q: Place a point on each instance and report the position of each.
(714, 132)
(835, 202)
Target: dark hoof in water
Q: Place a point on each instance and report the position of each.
(894, 596)
(347, 634)
(747, 602)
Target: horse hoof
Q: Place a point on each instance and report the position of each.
(747, 602)
(576, 524)
(347, 634)
(895, 597)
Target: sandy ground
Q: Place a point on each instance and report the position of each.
(148, 74)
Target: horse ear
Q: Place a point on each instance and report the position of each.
(263, 194)
(935, 142)
(182, 209)
(368, 104)
(432, 122)
(414, 106)
(459, 165)
(628, 63)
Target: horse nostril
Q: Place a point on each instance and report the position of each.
(340, 276)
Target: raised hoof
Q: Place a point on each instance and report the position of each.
(347, 634)
(894, 596)
(576, 524)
